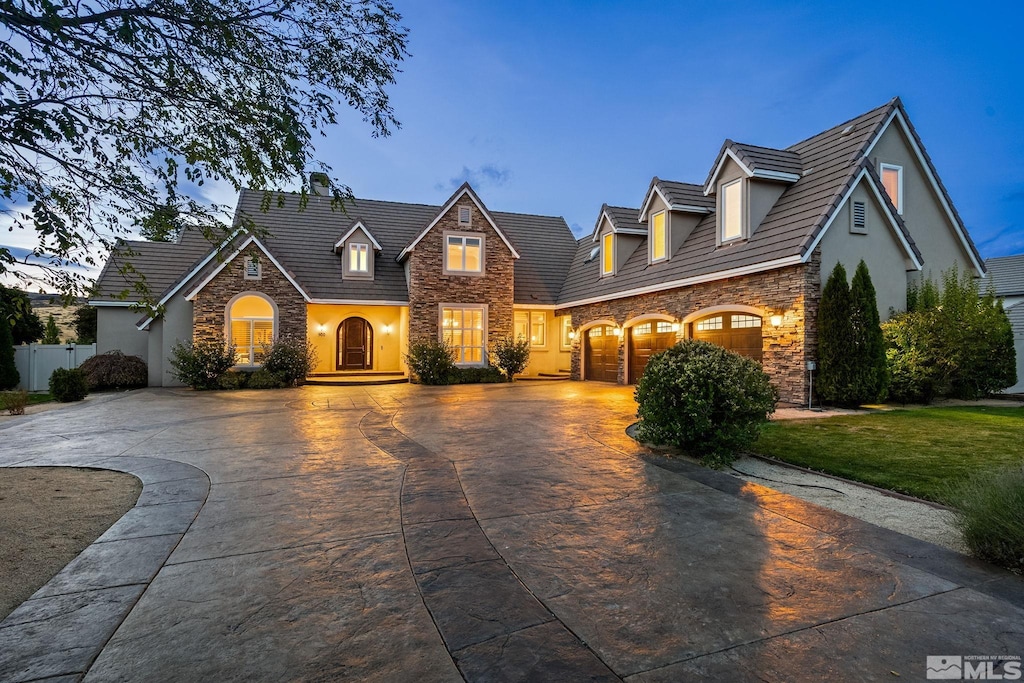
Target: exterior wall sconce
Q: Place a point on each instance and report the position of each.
(321, 330)
(386, 329)
(617, 331)
(675, 326)
(776, 319)
(572, 334)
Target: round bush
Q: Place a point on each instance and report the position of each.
(988, 509)
(68, 385)
(290, 358)
(703, 399)
(114, 370)
(430, 362)
(201, 364)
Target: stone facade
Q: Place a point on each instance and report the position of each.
(429, 286)
(793, 292)
(210, 306)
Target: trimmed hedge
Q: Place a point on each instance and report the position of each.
(68, 385)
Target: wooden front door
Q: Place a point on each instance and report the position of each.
(601, 354)
(645, 340)
(355, 345)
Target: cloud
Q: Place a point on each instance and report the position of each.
(486, 175)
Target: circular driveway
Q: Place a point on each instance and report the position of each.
(489, 532)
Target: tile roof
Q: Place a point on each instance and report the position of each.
(1006, 275)
(161, 264)
(685, 194)
(758, 158)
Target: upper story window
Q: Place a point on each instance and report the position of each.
(464, 254)
(359, 258)
(732, 210)
(253, 268)
(892, 181)
(464, 215)
(607, 254)
(659, 237)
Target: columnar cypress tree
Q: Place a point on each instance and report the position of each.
(835, 340)
(9, 376)
(52, 333)
(870, 376)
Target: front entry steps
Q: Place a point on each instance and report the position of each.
(546, 376)
(356, 378)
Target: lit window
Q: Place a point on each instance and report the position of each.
(740, 322)
(645, 328)
(250, 329)
(464, 215)
(595, 331)
(659, 237)
(892, 181)
(463, 329)
(358, 258)
(566, 338)
(538, 329)
(732, 210)
(607, 254)
(464, 254)
(521, 329)
(664, 327)
(253, 268)
(707, 324)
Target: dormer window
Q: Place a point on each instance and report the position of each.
(608, 254)
(358, 258)
(463, 254)
(892, 181)
(731, 209)
(253, 268)
(464, 215)
(659, 237)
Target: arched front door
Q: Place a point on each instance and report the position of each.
(355, 345)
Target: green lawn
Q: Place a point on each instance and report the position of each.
(33, 399)
(920, 452)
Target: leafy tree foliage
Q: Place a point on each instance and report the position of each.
(870, 374)
(163, 225)
(16, 307)
(951, 342)
(836, 340)
(9, 376)
(112, 110)
(51, 335)
(85, 324)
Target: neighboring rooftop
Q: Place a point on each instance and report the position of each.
(1006, 274)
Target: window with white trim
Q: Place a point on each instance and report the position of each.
(465, 216)
(538, 328)
(358, 258)
(664, 327)
(250, 328)
(465, 330)
(607, 254)
(521, 325)
(732, 210)
(253, 268)
(565, 338)
(892, 181)
(659, 237)
(740, 322)
(464, 253)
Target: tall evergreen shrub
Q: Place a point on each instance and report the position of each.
(51, 335)
(9, 376)
(870, 376)
(836, 340)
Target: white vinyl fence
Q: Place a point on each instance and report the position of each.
(36, 362)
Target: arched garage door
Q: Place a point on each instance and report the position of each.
(645, 340)
(739, 332)
(601, 354)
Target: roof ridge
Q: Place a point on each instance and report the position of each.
(890, 103)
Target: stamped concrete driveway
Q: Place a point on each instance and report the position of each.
(479, 533)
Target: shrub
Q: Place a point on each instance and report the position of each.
(703, 399)
(910, 353)
(200, 364)
(14, 402)
(870, 375)
(836, 340)
(291, 358)
(68, 385)
(233, 379)
(114, 370)
(430, 362)
(511, 355)
(265, 379)
(51, 334)
(484, 375)
(9, 376)
(988, 509)
(85, 324)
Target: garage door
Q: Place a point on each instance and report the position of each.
(601, 354)
(645, 340)
(739, 332)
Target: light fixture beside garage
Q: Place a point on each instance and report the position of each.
(675, 326)
(776, 319)
(617, 331)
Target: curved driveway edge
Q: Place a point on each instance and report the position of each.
(60, 630)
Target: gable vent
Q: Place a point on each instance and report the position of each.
(859, 218)
(464, 215)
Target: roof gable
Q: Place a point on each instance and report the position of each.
(683, 197)
(358, 225)
(622, 220)
(465, 190)
(756, 162)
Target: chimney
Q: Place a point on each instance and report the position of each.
(319, 184)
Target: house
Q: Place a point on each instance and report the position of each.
(736, 260)
(1007, 281)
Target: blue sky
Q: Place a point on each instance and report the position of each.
(557, 107)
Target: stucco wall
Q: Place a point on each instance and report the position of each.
(389, 347)
(115, 330)
(549, 357)
(879, 249)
